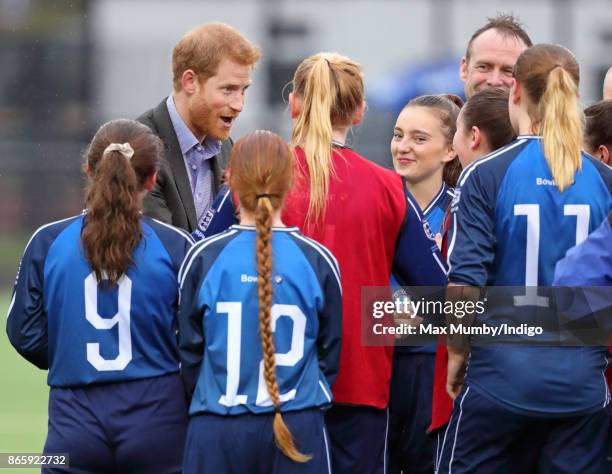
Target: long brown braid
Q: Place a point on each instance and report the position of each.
(261, 168)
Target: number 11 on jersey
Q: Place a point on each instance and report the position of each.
(532, 250)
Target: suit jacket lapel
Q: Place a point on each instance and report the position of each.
(176, 161)
(219, 164)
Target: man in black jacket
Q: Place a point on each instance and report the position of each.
(212, 67)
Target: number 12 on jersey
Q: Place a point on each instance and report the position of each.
(234, 332)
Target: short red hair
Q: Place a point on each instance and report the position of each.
(203, 48)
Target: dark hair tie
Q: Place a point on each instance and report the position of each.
(333, 74)
(259, 196)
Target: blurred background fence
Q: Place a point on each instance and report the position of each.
(68, 66)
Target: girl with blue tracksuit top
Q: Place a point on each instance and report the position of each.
(519, 407)
(423, 153)
(260, 324)
(94, 303)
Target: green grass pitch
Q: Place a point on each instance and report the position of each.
(23, 398)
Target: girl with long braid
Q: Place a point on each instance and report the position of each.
(259, 334)
(362, 213)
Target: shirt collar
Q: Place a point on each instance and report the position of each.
(186, 138)
(437, 197)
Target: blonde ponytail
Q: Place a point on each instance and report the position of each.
(313, 131)
(330, 89)
(561, 127)
(550, 75)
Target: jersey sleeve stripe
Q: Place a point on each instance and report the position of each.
(325, 392)
(440, 264)
(11, 305)
(329, 470)
(329, 258)
(320, 246)
(452, 457)
(187, 258)
(452, 242)
(193, 253)
(49, 225)
(227, 193)
(413, 205)
(435, 199)
(467, 171)
(181, 232)
(190, 253)
(603, 374)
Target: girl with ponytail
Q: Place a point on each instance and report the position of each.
(360, 212)
(94, 303)
(483, 126)
(598, 131)
(518, 212)
(544, 102)
(260, 322)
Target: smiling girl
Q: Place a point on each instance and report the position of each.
(422, 151)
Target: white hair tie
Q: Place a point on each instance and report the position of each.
(124, 148)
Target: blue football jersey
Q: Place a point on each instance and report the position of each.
(433, 216)
(511, 226)
(85, 332)
(219, 217)
(436, 210)
(219, 337)
(588, 266)
(417, 260)
(590, 263)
